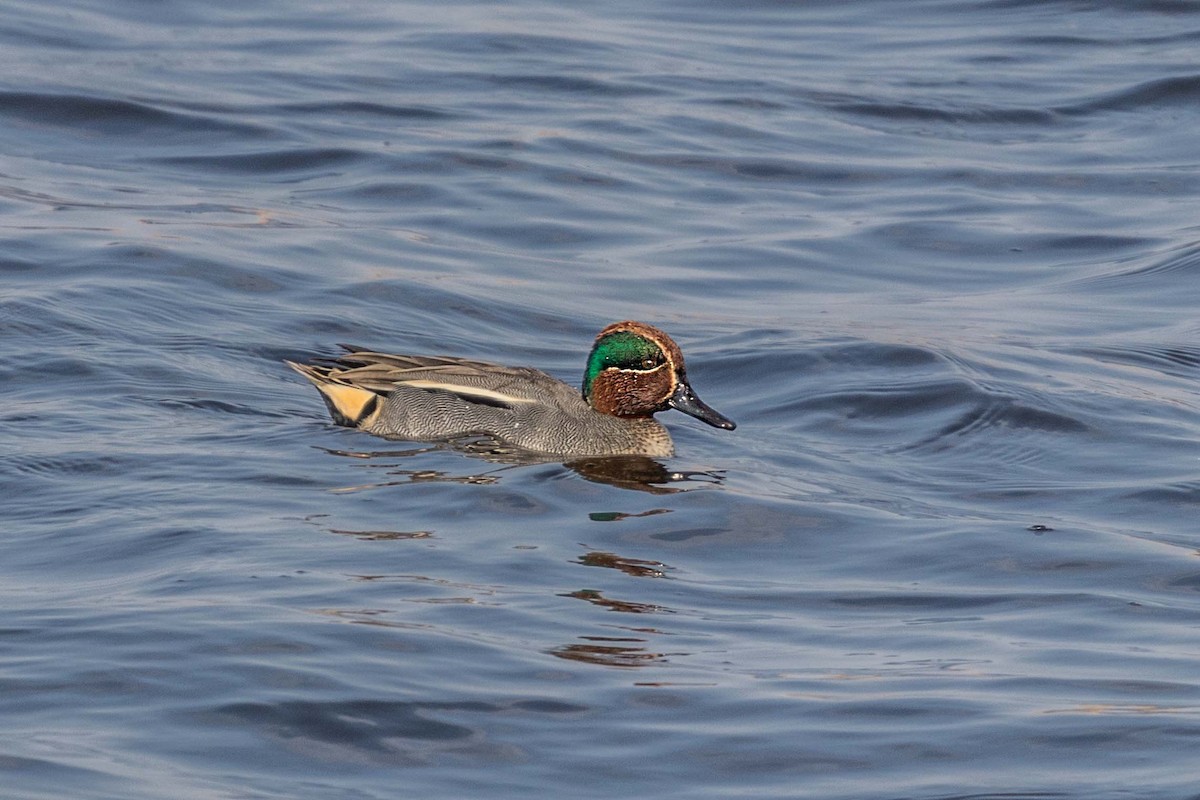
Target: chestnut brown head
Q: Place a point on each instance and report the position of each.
(636, 370)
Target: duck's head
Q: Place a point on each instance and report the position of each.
(635, 370)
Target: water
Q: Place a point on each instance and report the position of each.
(939, 263)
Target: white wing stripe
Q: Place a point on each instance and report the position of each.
(468, 391)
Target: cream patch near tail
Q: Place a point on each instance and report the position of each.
(349, 405)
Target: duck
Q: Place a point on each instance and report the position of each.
(634, 370)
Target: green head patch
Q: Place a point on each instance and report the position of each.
(622, 350)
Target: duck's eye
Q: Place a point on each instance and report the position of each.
(649, 363)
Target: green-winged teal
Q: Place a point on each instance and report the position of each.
(633, 371)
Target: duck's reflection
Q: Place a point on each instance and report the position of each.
(381, 535)
(636, 567)
(596, 598)
(609, 655)
(632, 646)
(377, 535)
(638, 473)
(617, 516)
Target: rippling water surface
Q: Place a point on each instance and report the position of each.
(941, 263)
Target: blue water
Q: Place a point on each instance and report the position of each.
(940, 261)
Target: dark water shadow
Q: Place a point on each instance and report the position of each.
(366, 731)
